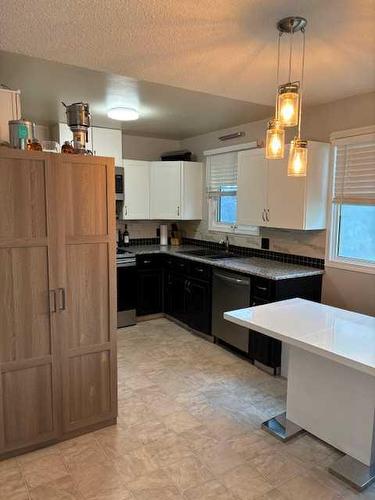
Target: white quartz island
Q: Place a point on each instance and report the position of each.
(331, 378)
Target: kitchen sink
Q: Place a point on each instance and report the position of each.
(208, 253)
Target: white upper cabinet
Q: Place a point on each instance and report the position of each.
(251, 187)
(10, 109)
(107, 142)
(268, 197)
(137, 189)
(176, 190)
(102, 141)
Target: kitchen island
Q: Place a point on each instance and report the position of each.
(331, 378)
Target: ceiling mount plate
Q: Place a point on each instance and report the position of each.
(291, 24)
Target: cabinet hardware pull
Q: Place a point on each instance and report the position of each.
(199, 269)
(52, 301)
(126, 210)
(62, 301)
(267, 214)
(263, 216)
(147, 262)
(263, 288)
(178, 210)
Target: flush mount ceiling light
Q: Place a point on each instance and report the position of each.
(123, 114)
(288, 112)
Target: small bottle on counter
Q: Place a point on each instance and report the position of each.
(126, 236)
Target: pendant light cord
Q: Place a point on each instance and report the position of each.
(301, 84)
(278, 75)
(290, 54)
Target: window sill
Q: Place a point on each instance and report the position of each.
(351, 266)
(234, 231)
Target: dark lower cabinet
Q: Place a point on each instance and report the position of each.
(175, 295)
(264, 349)
(198, 305)
(149, 290)
(187, 298)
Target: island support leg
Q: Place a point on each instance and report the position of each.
(282, 428)
(335, 403)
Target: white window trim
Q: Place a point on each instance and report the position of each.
(332, 259)
(221, 227)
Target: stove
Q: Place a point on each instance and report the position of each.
(126, 287)
(125, 258)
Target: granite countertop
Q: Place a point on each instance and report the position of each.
(256, 266)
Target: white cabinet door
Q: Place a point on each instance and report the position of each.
(165, 190)
(137, 189)
(286, 196)
(10, 109)
(252, 186)
(107, 142)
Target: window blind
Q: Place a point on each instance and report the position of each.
(222, 174)
(354, 175)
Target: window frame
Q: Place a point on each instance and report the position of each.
(214, 225)
(333, 213)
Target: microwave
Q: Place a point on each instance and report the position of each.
(119, 183)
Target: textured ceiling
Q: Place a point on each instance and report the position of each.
(222, 47)
(166, 111)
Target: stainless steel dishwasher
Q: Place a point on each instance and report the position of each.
(230, 291)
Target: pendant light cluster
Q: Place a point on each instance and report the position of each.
(288, 105)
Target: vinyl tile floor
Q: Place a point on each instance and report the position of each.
(188, 429)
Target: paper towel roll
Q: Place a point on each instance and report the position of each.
(163, 234)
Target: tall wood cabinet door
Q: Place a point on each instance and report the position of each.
(286, 196)
(252, 186)
(88, 298)
(29, 368)
(137, 189)
(165, 190)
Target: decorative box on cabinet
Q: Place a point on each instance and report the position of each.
(101, 141)
(267, 196)
(57, 298)
(10, 109)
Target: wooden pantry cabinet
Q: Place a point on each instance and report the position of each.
(57, 297)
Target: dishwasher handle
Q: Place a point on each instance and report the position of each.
(233, 281)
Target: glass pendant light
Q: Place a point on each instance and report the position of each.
(297, 162)
(288, 104)
(275, 141)
(275, 136)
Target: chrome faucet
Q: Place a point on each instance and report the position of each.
(225, 243)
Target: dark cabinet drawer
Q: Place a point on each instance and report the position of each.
(180, 265)
(200, 271)
(261, 288)
(148, 261)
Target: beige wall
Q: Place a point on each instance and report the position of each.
(136, 147)
(350, 290)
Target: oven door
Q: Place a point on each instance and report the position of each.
(126, 294)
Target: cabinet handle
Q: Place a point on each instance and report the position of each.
(52, 301)
(147, 262)
(268, 214)
(126, 210)
(263, 219)
(62, 301)
(199, 269)
(178, 210)
(263, 288)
